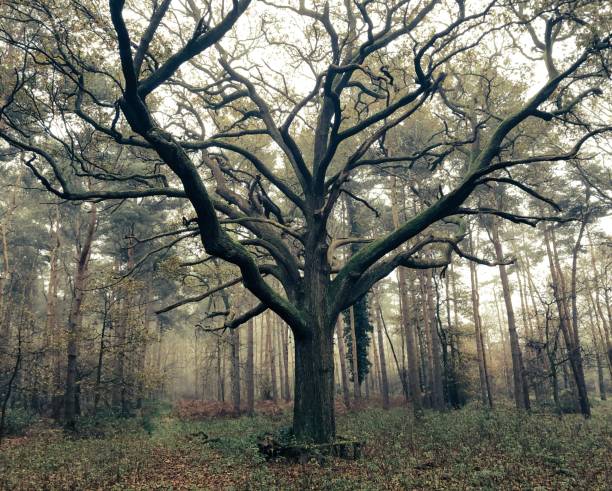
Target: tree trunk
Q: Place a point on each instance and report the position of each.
(541, 387)
(354, 356)
(313, 410)
(285, 353)
(101, 349)
(278, 343)
(577, 364)
(376, 377)
(408, 333)
(502, 337)
(485, 387)
(6, 274)
(74, 325)
(9, 386)
(270, 358)
(606, 323)
(412, 376)
(600, 376)
(569, 336)
(196, 365)
(521, 392)
(250, 370)
(342, 356)
(273, 361)
(220, 375)
(435, 348)
(596, 330)
(235, 355)
(383, 362)
(122, 326)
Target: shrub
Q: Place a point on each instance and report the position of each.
(17, 421)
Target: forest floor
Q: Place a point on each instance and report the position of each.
(465, 449)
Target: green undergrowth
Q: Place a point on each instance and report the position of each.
(466, 449)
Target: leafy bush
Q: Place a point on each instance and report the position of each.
(567, 402)
(106, 424)
(17, 421)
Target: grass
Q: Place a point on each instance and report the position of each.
(466, 449)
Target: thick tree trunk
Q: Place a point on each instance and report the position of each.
(521, 392)
(313, 410)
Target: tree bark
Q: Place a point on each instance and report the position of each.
(313, 413)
